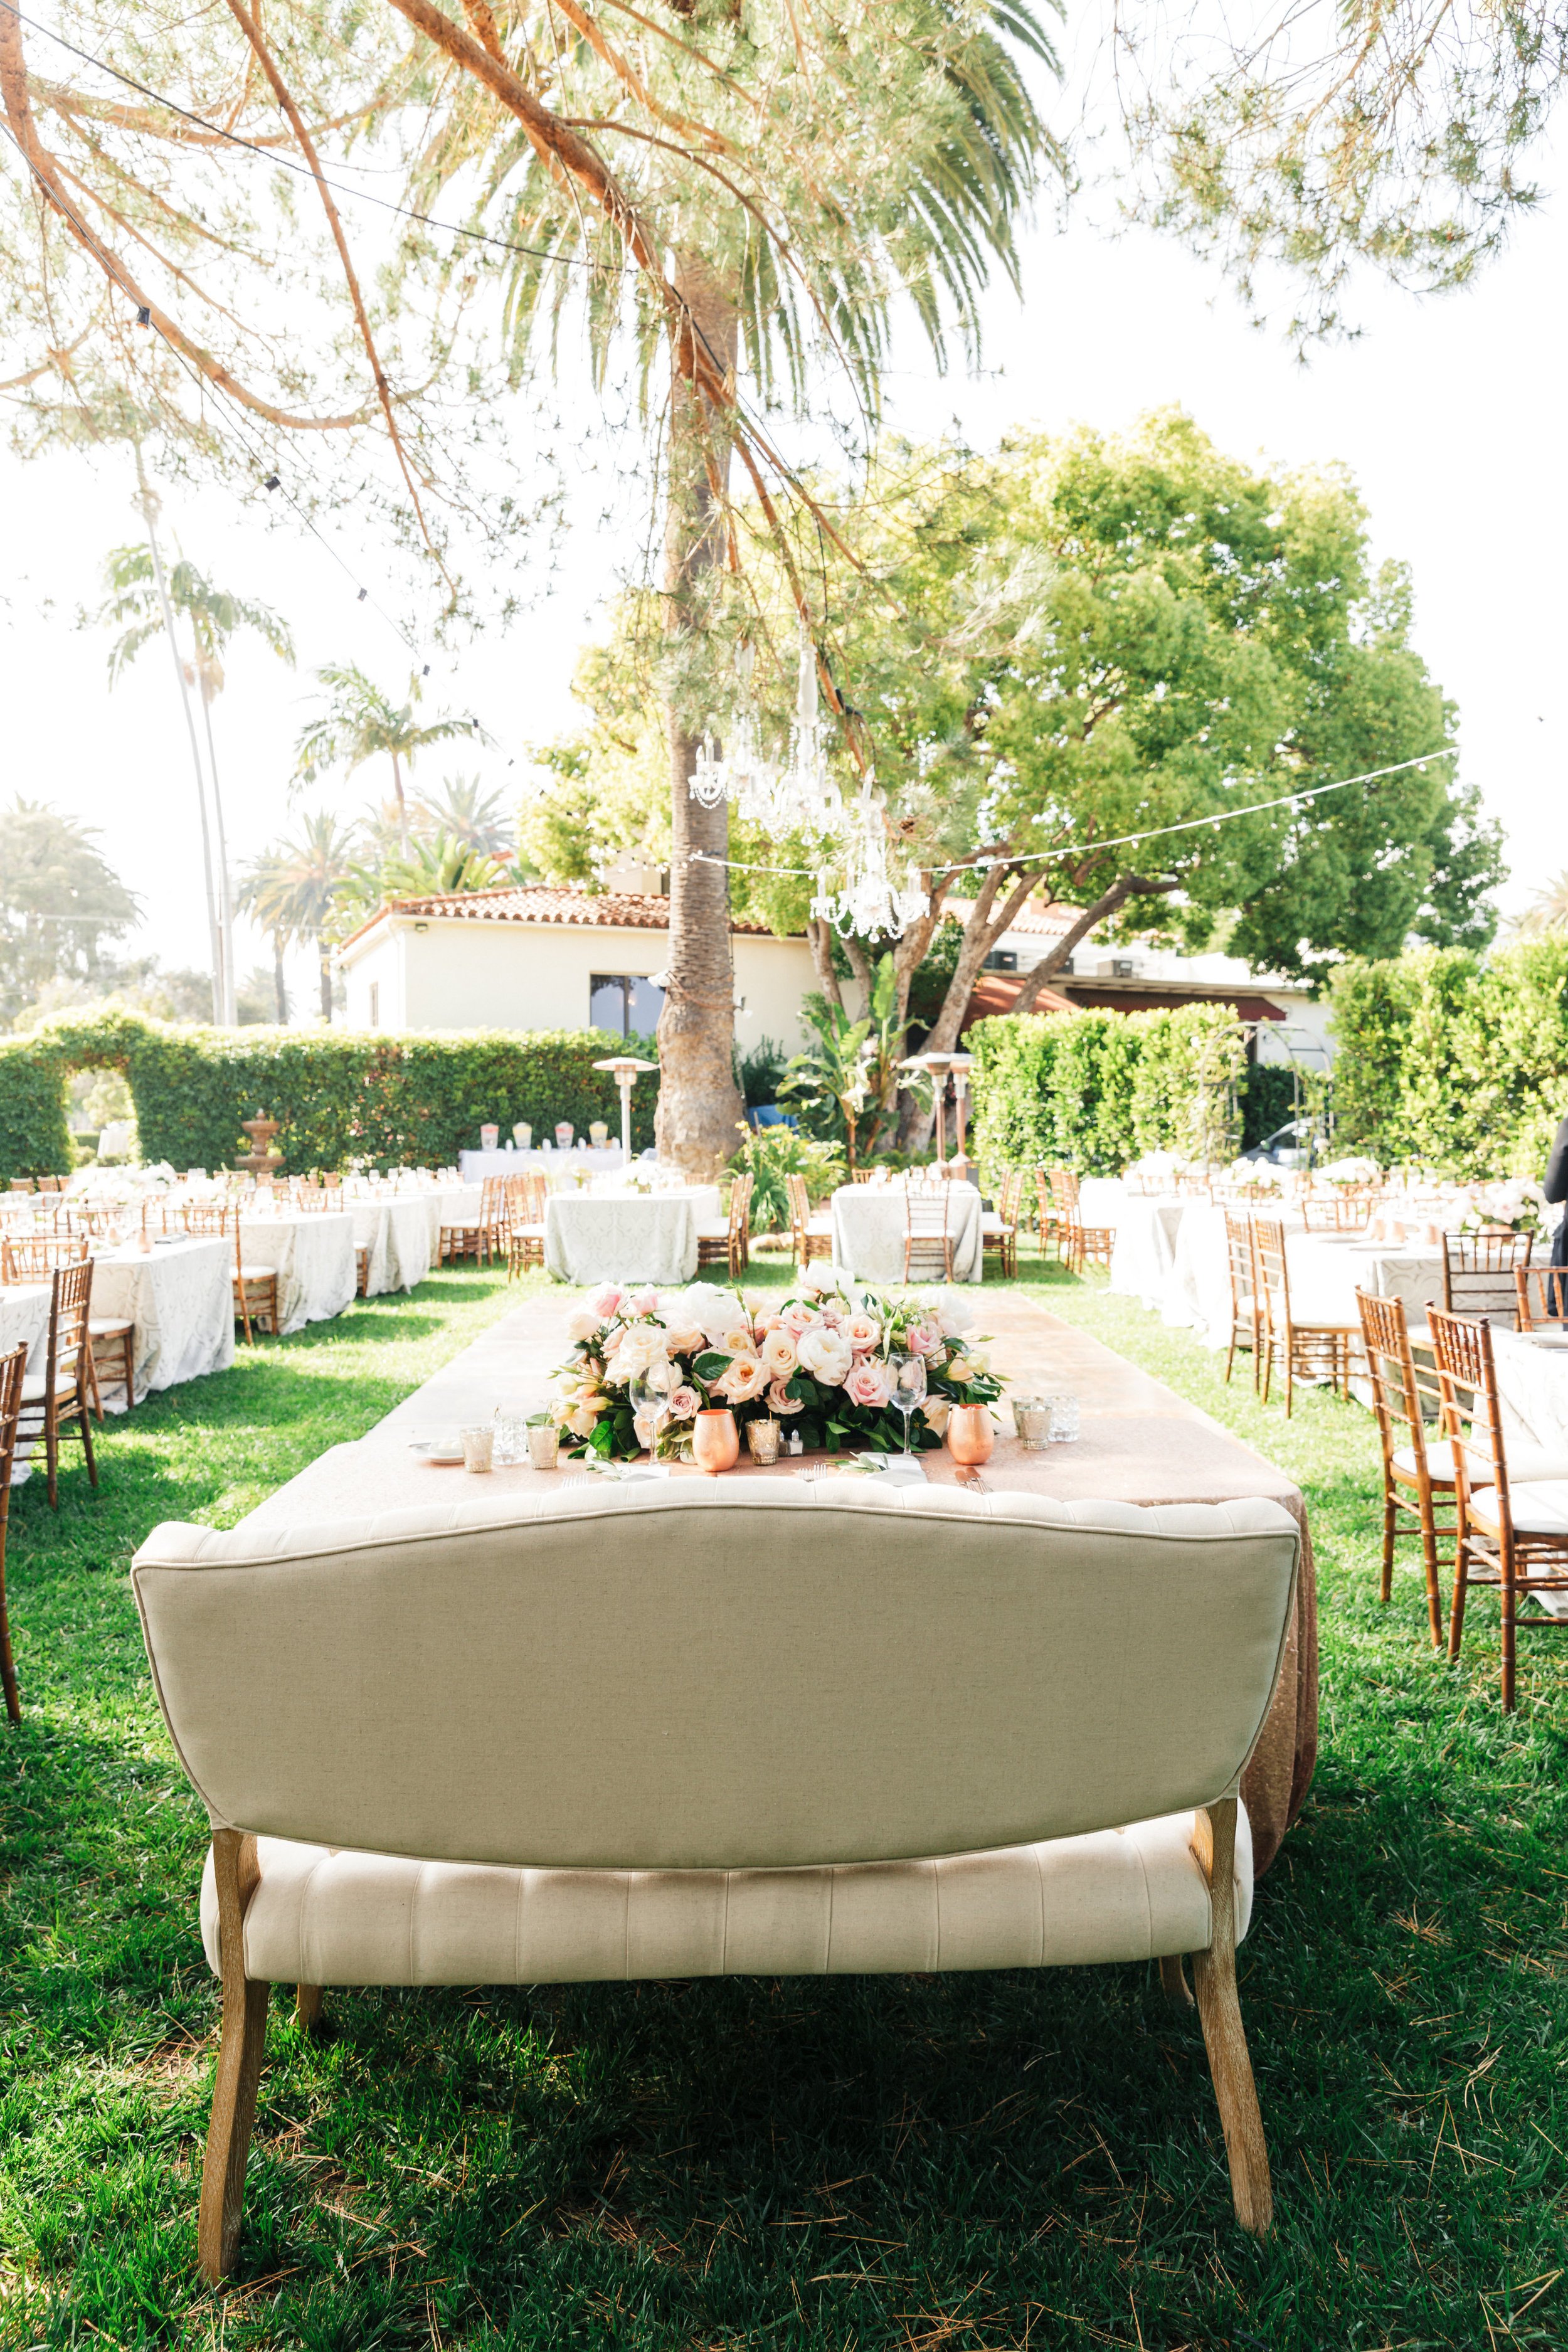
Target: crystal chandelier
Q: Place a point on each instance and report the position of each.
(801, 795)
(869, 905)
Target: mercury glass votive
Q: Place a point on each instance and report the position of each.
(1021, 1406)
(479, 1447)
(544, 1441)
(1034, 1417)
(762, 1437)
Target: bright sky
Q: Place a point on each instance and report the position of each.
(1447, 412)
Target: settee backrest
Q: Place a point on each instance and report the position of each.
(728, 1674)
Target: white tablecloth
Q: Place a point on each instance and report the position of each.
(475, 1165)
(1533, 1390)
(627, 1237)
(1144, 1257)
(396, 1230)
(1328, 1269)
(24, 1318)
(314, 1259)
(868, 1221)
(180, 1298)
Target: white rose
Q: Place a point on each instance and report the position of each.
(956, 1316)
(826, 1356)
(779, 1353)
(581, 1325)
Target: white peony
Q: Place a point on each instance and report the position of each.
(826, 1356)
(581, 1325)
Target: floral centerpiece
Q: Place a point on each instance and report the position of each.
(818, 1358)
(1350, 1174)
(1517, 1204)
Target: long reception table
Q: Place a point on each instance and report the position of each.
(1141, 1443)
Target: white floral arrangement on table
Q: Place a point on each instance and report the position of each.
(1350, 1171)
(1516, 1203)
(1256, 1171)
(818, 1358)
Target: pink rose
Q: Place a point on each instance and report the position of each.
(604, 1301)
(643, 1302)
(868, 1385)
(798, 1316)
(862, 1331)
(925, 1340)
(684, 1402)
(780, 1398)
(778, 1353)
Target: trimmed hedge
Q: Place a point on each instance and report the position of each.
(1094, 1090)
(337, 1094)
(1458, 1062)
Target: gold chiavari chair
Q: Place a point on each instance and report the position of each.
(999, 1227)
(927, 1211)
(13, 1372)
(206, 1217)
(525, 1198)
(729, 1244)
(1418, 1459)
(1479, 1271)
(492, 1240)
(161, 1216)
(1543, 1295)
(33, 1258)
(1513, 1528)
(1304, 1351)
(812, 1236)
(1081, 1244)
(51, 1185)
(1246, 1303)
(254, 1291)
(56, 1397)
(1051, 1226)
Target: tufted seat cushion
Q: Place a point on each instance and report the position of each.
(322, 1916)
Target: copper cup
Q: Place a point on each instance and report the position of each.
(969, 1433)
(715, 1440)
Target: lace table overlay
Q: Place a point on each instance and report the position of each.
(180, 1299)
(869, 1233)
(314, 1259)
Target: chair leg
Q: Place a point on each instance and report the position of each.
(7, 1670)
(85, 1420)
(308, 2008)
(1224, 2037)
(94, 1391)
(1386, 1586)
(1508, 1597)
(1461, 1588)
(52, 1452)
(238, 2062)
(1429, 1564)
(1173, 1981)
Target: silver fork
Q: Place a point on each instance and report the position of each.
(974, 1481)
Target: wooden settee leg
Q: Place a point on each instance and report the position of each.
(238, 2061)
(1173, 1981)
(308, 2008)
(1219, 2012)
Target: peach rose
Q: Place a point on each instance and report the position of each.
(686, 1340)
(643, 1302)
(780, 1354)
(584, 1325)
(683, 1402)
(925, 1338)
(780, 1398)
(739, 1342)
(798, 1316)
(936, 1411)
(868, 1385)
(747, 1377)
(862, 1331)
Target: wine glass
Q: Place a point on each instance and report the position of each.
(649, 1393)
(907, 1373)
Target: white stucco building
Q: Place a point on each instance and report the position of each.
(535, 958)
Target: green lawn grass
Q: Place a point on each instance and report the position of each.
(993, 2160)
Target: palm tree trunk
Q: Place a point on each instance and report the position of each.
(279, 985)
(402, 803)
(224, 887)
(699, 1105)
(324, 955)
(149, 508)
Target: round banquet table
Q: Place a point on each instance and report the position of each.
(313, 1258)
(179, 1299)
(25, 1323)
(591, 1238)
(869, 1232)
(1326, 1271)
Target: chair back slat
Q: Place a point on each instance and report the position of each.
(1273, 1271)
(1479, 1271)
(1541, 1296)
(1407, 1399)
(1462, 1348)
(35, 1256)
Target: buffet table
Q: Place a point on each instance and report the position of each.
(868, 1223)
(1141, 1443)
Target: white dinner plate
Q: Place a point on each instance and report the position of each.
(447, 1450)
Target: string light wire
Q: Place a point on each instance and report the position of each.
(1118, 841)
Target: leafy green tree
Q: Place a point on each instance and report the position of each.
(60, 903)
(360, 721)
(291, 890)
(850, 1068)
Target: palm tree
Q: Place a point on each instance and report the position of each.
(901, 147)
(474, 818)
(361, 722)
(135, 605)
(1547, 912)
(436, 866)
(291, 890)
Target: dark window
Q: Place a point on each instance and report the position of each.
(1120, 967)
(1002, 959)
(624, 1003)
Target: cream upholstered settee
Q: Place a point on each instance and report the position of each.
(698, 1729)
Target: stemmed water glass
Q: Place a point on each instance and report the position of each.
(907, 1374)
(649, 1393)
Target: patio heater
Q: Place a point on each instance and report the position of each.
(936, 1067)
(626, 1067)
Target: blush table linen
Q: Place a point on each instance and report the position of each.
(1141, 1443)
(869, 1233)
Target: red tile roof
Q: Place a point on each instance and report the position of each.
(616, 910)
